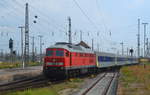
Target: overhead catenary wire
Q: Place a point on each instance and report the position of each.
(48, 25)
(14, 11)
(99, 8)
(88, 18)
(39, 25)
(11, 9)
(45, 19)
(91, 21)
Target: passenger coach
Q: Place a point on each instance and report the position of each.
(105, 60)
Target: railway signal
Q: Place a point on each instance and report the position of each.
(11, 49)
(10, 44)
(14, 52)
(34, 21)
(131, 51)
(36, 16)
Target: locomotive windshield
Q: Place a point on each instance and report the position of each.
(49, 53)
(59, 53)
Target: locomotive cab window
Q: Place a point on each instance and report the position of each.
(59, 53)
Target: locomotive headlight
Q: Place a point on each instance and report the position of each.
(60, 63)
(49, 63)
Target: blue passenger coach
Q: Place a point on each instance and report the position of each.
(110, 60)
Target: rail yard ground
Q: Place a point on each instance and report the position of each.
(135, 80)
(68, 87)
(64, 88)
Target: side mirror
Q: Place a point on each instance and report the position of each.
(67, 54)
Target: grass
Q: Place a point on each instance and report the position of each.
(42, 91)
(135, 80)
(9, 65)
(17, 64)
(56, 89)
(35, 64)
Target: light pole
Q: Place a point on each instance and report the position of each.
(144, 35)
(33, 52)
(69, 31)
(122, 48)
(116, 53)
(22, 57)
(92, 44)
(2, 59)
(40, 36)
(138, 38)
(80, 35)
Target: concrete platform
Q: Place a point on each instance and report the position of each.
(8, 75)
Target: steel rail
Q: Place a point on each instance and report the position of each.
(106, 89)
(109, 84)
(93, 85)
(21, 85)
(22, 80)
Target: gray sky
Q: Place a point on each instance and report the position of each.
(118, 17)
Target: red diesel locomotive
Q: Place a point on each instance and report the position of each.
(66, 60)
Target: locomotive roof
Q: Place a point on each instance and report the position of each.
(72, 47)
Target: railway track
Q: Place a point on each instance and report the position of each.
(40, 81)
(103, 85)
(110, 82)
(32, 82)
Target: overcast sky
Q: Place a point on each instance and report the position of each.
(108, 22)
